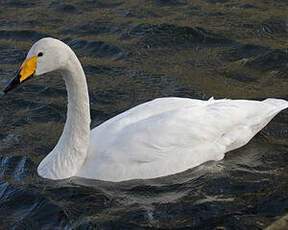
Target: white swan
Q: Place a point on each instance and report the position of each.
(157, 138)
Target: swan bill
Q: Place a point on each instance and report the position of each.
(26, 71)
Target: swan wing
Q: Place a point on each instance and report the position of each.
(168, 136)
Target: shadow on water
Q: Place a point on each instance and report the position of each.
(133, 52)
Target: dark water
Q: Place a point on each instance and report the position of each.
(133, 51)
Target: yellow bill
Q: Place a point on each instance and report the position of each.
(26, 71)
(28, 68)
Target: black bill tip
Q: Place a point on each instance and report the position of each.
(12, 84)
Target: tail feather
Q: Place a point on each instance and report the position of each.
(279, 103)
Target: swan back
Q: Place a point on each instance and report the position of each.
(170, 135)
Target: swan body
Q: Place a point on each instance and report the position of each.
(170, 135)
(157, 138)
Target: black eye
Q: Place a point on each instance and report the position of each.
(40, 54)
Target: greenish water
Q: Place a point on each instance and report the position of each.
(134, 51)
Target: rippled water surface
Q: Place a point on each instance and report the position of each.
(133, 51)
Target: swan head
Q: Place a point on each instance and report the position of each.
(46, 55)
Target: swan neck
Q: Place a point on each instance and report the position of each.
(78, 108)
(69, 154)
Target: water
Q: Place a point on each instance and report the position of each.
(133, 51)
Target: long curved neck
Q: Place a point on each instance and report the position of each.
(71, 150)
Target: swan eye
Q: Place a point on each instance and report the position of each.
(40, 54)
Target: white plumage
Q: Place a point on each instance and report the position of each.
(157, 138)
(170, 135)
